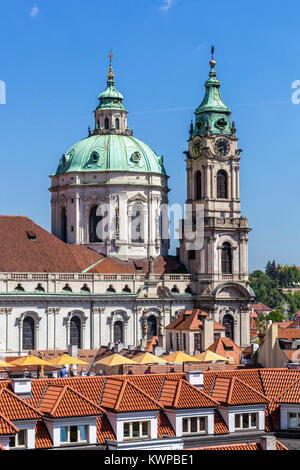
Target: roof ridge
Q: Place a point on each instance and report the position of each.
(200, 391)
(287, 389)
(15, 396)
(145, 393)
(177, 393)
(236, 379)
(121, 393)
(230, 389)
(8, 421)
(68, 387)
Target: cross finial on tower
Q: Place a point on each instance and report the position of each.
(110, 73)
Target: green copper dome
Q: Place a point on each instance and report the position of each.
(110, 152)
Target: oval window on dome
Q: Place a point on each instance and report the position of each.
(94, 157)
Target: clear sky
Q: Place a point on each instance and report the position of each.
(54, 60)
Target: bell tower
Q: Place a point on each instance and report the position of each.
(220, 267)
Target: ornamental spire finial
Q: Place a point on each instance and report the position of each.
(110, 70)
(212, 62)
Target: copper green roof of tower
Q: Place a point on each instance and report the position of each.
(110, 149)
(110, 98)
(111, 152)
(212, 109)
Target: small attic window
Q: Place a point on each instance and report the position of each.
(31, 235)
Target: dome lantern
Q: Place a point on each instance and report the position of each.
(110, 114)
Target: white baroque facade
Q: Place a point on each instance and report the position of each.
(106, 200)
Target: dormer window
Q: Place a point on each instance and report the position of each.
(19, 440)
(246, 421)
(31, 235)
(136, 429)
(194, 425)
(69, 434)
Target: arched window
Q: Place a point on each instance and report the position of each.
(117, 123)
(28, 333)
(64, 224)
(39, 288)
(228, 322)
(175, 289)
(95, 219)
(75, 331)
(152, 326)
(126, 289)
(226, 258)
(111, 289)
(222, 190)
(197, 181)
(137, 224)
(106, 123)
(118, 332)
(67, 288)
(188, 290)
(85, 289)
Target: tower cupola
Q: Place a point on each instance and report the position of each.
(110, 114)
(212, 114)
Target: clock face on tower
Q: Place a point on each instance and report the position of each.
(197, 148)
(222, 147)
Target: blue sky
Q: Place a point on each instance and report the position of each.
(54, 59)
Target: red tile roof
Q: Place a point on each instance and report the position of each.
(182, 395)
(163, 426)
(227, 348)
(15, 408)
(104, 430)
(120, 395)
(220, 425)
(62, 402)
(291, 395)
(260, 307)
(188, 320)
(233, 391)
(6, 426)
(241, 446)
(161, 265)
(42, 436)
(46, 253)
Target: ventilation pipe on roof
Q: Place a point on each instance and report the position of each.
(195, 377)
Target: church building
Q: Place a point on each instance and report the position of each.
(104, 275)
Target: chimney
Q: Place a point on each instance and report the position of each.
(195, 377)
(268, 442)
(22, 387)
(73, 350)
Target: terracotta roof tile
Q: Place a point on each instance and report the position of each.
(161, 265)
(188, 320)
(180, 394)
(220, 425)
(233, 391)
(61, 402)
(15, 408)
(227, 348)
(163, 426)
(240, 446)
(120, 395)
(42, 436)
(291, 395)
(46, 253)
(6, 426)
(104, 430)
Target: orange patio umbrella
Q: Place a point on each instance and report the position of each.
(64, 359)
